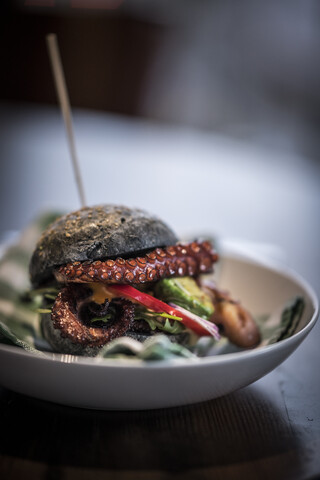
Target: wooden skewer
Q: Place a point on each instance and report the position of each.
(63, 97)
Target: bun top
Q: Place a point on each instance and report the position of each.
(96, 233)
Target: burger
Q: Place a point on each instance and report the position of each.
(110, 271)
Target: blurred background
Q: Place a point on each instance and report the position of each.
(206, 112)
(248, 69)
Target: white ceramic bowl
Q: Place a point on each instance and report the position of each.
(134, 384)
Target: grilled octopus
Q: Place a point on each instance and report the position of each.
(177, 260)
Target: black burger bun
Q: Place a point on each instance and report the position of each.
(97, 233)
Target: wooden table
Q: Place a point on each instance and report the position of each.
(270, 429)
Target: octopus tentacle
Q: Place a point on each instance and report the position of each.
(65, 317)
(176, 260)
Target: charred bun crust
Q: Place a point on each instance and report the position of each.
(95, 233)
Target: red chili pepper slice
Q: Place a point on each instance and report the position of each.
(197, 324)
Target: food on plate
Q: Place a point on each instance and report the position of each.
(110, 271)
(232, 318)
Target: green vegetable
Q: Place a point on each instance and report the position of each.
(290, 317)
(50, 297)
(104, 319)
(185, 293)
(171, 324)
(46, 291)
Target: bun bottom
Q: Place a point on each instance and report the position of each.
(64, 345)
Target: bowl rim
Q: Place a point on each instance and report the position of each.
(119, 363)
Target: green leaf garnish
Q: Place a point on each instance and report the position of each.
(101, 319)
(50, 297)
(43, 291)
(164, 315)
(171, 324)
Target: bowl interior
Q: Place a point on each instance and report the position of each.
(264, 289)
